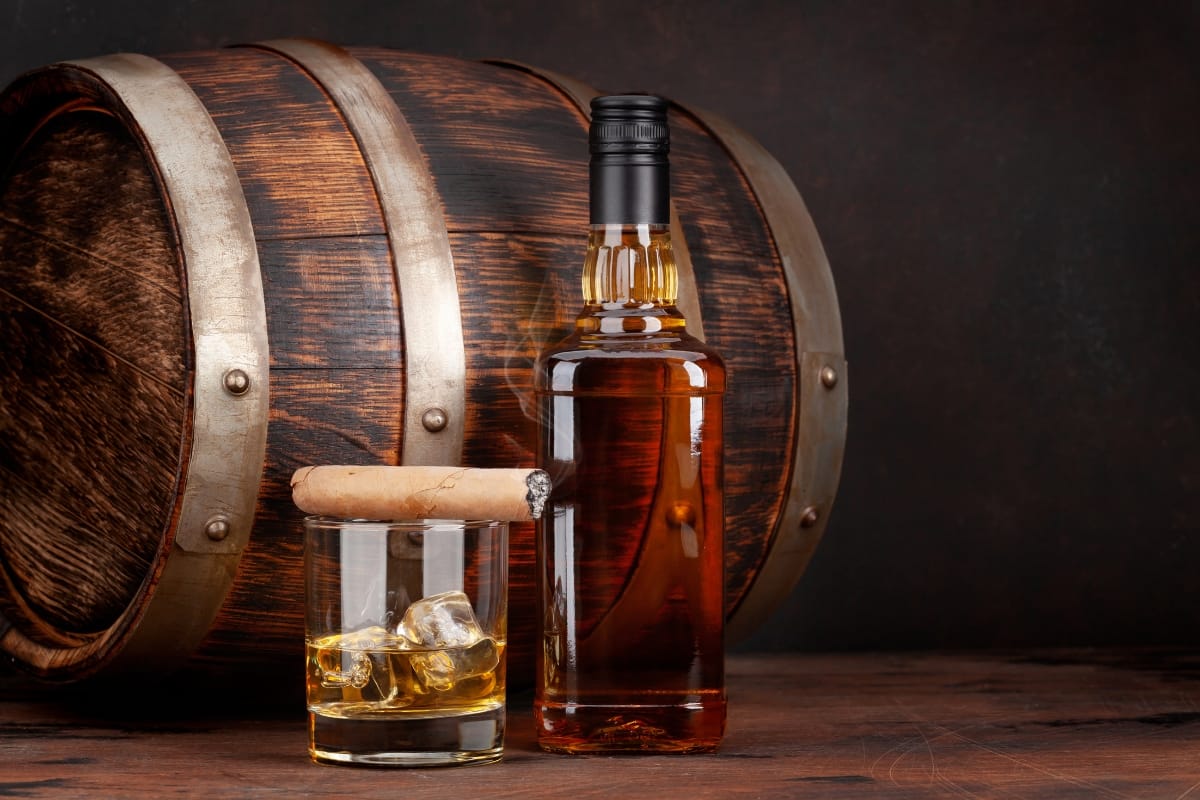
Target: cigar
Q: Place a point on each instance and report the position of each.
(394, 493)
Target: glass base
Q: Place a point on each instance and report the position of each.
(428, 741)
(408, 759)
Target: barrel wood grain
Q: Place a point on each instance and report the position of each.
(505, 153)
(514, 290)
(335, 303)
(301, 170)
(75, 417)
(100, 264)
(95, 368)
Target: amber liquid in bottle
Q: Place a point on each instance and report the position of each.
(630, 550)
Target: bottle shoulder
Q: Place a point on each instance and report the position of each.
(660, 363)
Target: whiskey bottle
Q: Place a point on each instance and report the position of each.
(630, 550)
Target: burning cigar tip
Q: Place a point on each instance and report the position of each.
(383, 492)
(539, 486)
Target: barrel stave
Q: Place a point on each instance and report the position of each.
(300, 167)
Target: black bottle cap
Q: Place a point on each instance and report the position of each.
(629, 123)
(629, 140)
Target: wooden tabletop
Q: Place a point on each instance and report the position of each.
(1061, 724)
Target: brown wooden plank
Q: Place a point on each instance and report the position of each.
(331, 303)
(139, 322)
(101, 261)
(506, 152)
(519, 293)
(82, 181)
(1047, 725)
(300, 167)
(95, 367)
(89, 456)
(716, 206)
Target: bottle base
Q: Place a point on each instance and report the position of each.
(658, 747)
(582, 729)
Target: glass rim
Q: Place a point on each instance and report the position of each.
(425, 525)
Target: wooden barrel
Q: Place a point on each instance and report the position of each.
(221, 266)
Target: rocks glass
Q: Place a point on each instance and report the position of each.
(405, 636)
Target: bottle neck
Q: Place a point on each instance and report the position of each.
(628, 188)
(630, 281)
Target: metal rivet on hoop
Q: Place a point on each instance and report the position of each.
(435, 419)
(237, 382)
(217, 528)
(810, 517)
(829, 377)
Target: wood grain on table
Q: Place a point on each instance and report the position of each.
(1058, 724)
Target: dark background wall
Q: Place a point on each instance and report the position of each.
(1009, 194)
